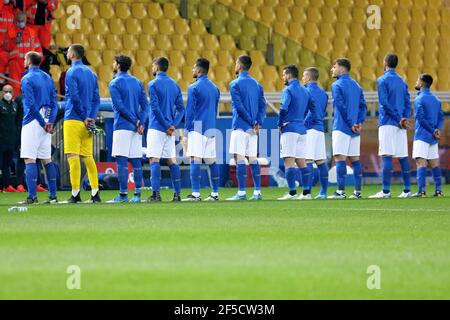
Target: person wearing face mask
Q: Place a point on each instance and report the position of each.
(39, 17)
(9, 119)
(21, 39)
(8, 10)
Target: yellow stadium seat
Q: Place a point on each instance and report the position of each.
(103, 89)
(359, 15)
(170, 11)
(159, 53)
(108, 57)
(222, 74)
(238, 52)
(210, 55)
(267, 15)
(143, 58)
(100, 26)
(227, 42)
(210, 41)
(154, 10)
(270, 3)
(89, 10)
(191, 56)
(224, 58)
(282, 14)
(233, 28)
(94, 57)
(205, 12)
(165, 26)
(239, 5)
(281, 28)
(328, 15)
(311, 30)
(197, 26)
(357, 31)
(116, 26)
(55, 71)
(342, 30)
(344, 15)
(176, 58)
(186, 71)
(316, 3)
(149, 26)
(217, 27)
(181, 26)
(86, 26)
(106, 10)
(340, 46)
(255, 3)
(220, 12)
(252, 13)
(298, 14)
(105, 73)
(138, 10)
(326, 30)
(307, 58)
(130, 42)
(174, 73)
(113, 42)
(268, 85)
(163, 42)
(195, 42)
(63, 40)
(140, 72)
(258, 58)
(249, 27)
(314, 15)
(179, 42)
(246, 42)
(59, 12)
(414, 59)
(345, 3)
(133, 26)
(80, 38)
(270, 73)
(324, 47)
(96, 41)
(291, 57)
(296, 31)
(122, 10)
(146, 42)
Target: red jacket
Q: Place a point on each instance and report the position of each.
(7, 16)
(28, 42)
(30, 8)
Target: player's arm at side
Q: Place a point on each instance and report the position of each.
(422, 118)
(179, 108)
(190, 106)
(262, 107)
(53, 102)
(155, 108)
(284, 107)
(95, 104)
(72, 86)
(236, 103)
(30, 102)
(339, 104)
(362, 108)
(117, 103)
(143, 102)
(383, 97)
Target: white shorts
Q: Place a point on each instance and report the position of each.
(293, 145)
(160, 145)
(201, 146)
(425, 150)
(393, 142)
(127, 143)
(243, 143)
(346, 145)
(315, 145)
(36, 143)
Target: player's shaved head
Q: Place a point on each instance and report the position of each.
(34, 58)
(313, 73)
(77, 50)
(391, 60)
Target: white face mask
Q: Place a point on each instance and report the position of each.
(7, 96)
(5, 1)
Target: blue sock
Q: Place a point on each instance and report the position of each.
(406, 173)
(323, 173)
(214, 169)
(122, 173)
(175, 175)
(421, 178)
(291, 179)
(341, 172)
(311, 175)
(155, 169)
(195, 176)
(137, 173)
(256, 174)
(31, 178)
(388, 167)
(305, 179)
(357, 172)
(50, 172)
(437, 178)
(241, 171)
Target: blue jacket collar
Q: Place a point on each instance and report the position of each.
(202, 77)
(78, 62)
(391, 71)
(312, 84)
(424, 91)
(344, 76)
(293, 82)
(161, 74)
(244, 74)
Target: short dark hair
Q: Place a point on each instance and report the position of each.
(162, 63)
(78, 50)
(203, 64)
(426, 79)
(314, 72)
(391, 60)
(344, 62)
(35, 58)
(292, 70)
(246, 62)
(123, 61)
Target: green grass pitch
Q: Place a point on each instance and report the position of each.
(244, 250)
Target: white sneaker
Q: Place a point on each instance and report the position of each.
(305, 197)
(405, 195)
(380, 195)
(287, 197)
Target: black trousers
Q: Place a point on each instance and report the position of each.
(6, 155)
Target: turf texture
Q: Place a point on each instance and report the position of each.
(318, 249)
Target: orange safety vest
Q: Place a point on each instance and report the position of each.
(29, 42)
(30, 8)
(7, 16)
